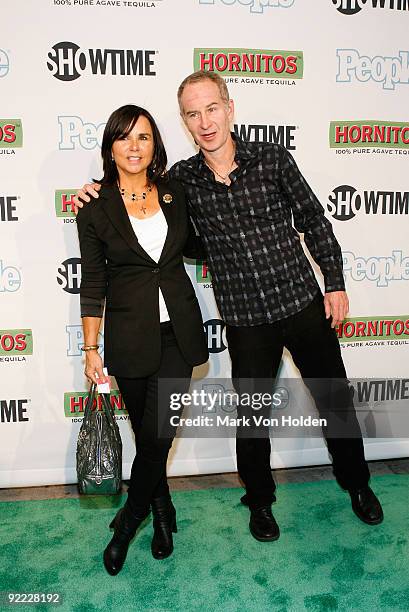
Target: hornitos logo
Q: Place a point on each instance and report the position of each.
(283, 135)
(10, 278)
(252, 65)
(380, 270)
(67, 61)
(76, 340)
(256, 6)
(376, 331)
(388, 70)
(109, 4)
(13, 410)
(352, 7)
(8, 208)
(4, 63)
(203, 276)
(69, 275)
(76, 401)
(11, 136)
(76, 133)
(370, 137)
(64, 204)
(15, 343)
(344, 202)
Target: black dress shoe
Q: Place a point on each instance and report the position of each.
(125, 525)
(164, 523)
(366, 506)
(263, 525)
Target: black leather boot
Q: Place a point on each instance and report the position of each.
(164, 523)
(125, 525)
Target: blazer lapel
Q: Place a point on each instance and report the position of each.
(115, 209)
(168, 204)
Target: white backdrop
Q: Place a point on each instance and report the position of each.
(352, 66)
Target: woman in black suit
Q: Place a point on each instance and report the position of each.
(132, 244)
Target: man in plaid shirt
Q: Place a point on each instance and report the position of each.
(249, 202)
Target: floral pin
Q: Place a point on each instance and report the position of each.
(167, 198)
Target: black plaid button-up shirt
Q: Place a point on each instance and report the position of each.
(259, 270)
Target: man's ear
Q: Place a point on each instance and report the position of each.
(231, 109)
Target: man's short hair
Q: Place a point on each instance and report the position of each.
(201, 75)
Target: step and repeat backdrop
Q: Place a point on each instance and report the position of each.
(328, 80)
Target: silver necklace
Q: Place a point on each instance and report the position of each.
(224, 178)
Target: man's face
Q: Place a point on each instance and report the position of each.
(206, 115)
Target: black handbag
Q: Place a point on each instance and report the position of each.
(99, 449)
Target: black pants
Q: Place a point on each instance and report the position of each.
(148, 474)
(256, 353)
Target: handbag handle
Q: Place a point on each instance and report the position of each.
(105, 403)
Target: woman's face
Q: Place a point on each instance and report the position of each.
(133, 153)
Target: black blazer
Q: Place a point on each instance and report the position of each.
(118, 272)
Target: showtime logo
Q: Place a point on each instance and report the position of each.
(354, 134)
(215, 331)
(75, 133)
(389, 71)
(64, 204)
(69, 275)
(345, 201)
(13, 410)
(8, 210)
(76, 402)
(250, 62)
(16, 342)
(380, 270)
(277, 134)
(389, 389)
(11, 133)
(352, 7)
(67, 61)
(256, 6)
(373, 328)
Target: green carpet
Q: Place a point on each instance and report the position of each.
(325, 559)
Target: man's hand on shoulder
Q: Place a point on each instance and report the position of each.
(336, 305)
(82, 197)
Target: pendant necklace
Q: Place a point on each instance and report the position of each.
(224, 178)
(135, 197)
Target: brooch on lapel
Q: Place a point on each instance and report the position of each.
(167, 198)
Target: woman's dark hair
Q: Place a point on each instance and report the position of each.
(120, 124)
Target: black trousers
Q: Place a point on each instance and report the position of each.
(256, 353)
(148, 474)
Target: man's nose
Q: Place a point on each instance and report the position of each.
(204, 121)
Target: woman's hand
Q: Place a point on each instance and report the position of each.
(93, 368)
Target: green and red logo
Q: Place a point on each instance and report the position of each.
(383, 134)
(64, 202)
(11, 133)
(251, 62)
(76, 401)
(16, 342)
(202, 272)
(366, 329)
